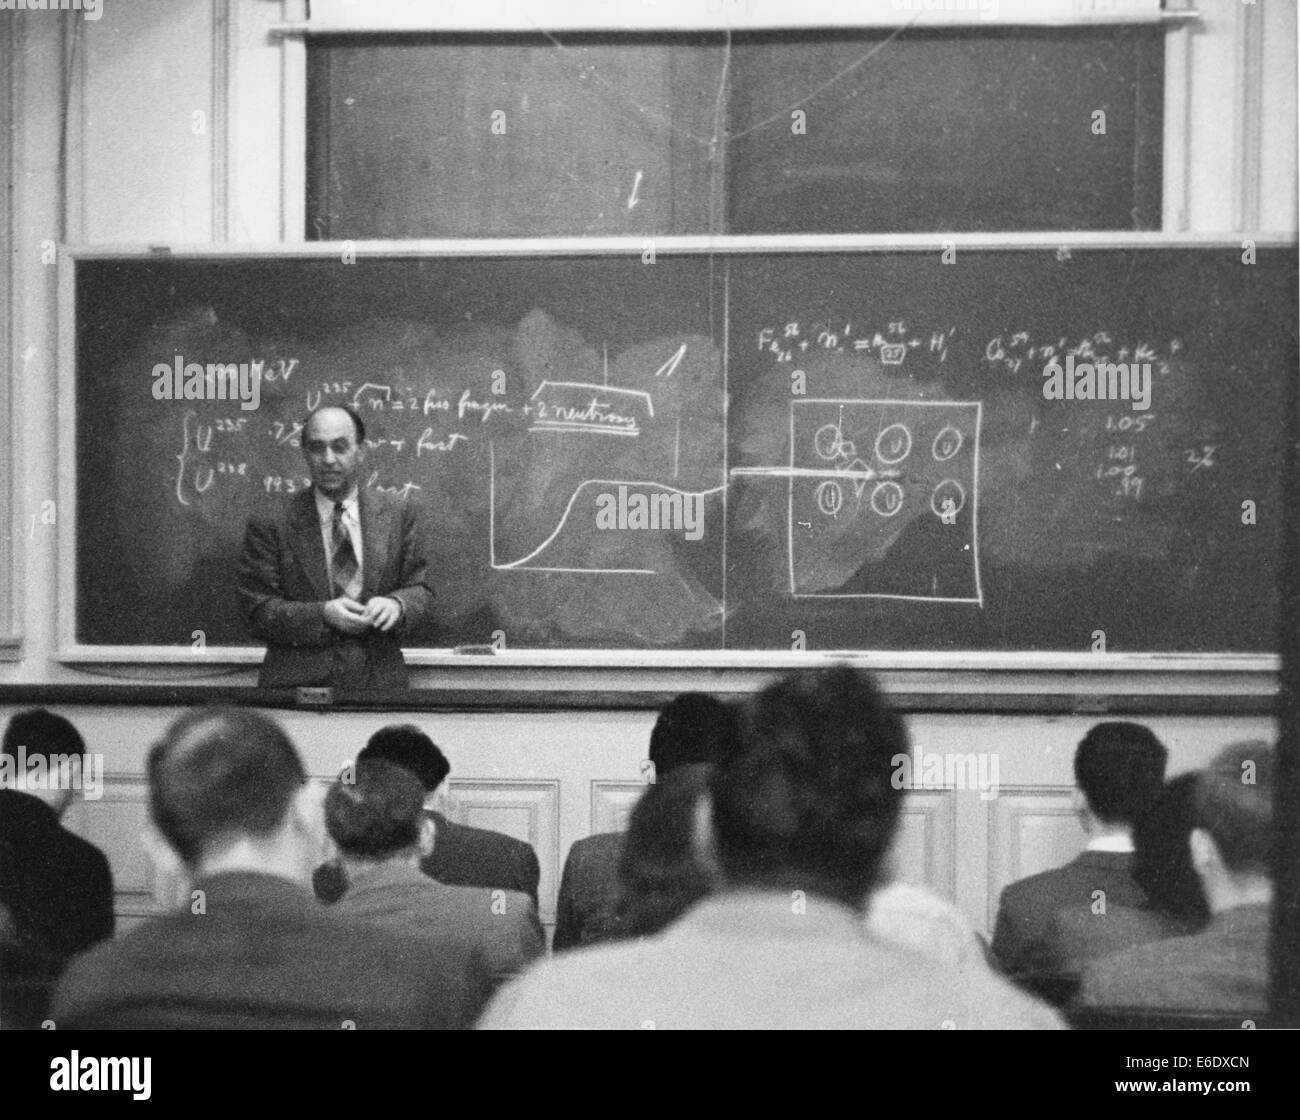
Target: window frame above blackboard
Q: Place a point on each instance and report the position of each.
(1228, 672)
(10, 596)
(335, 17)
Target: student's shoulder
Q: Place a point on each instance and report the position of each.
(1033, 888)
(496, 902)
(978, 998)
(582, 987)
(118, 963)
(600, 848)
(88, 858)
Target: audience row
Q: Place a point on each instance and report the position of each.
(752, 888)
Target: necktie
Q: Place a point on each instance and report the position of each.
(343, 562)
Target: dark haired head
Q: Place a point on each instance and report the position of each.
(218, 774)
(407, 746)
(377, 814)
(358, 425)
(1162, 858)
(808, 802)
(1234, 803)
(42, 734)
(692, 728)
(662, 871)
(1120, 768)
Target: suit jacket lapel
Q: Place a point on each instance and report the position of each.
(374, 541)
(309, 546)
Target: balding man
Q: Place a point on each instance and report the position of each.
(252, 948)
(336, 580)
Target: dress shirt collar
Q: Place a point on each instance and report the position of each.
(1113, 843)
(325, 506)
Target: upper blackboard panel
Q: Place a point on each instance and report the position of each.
(865, 438)
(851, 131)
(1006, 129)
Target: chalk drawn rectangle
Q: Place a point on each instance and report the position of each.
(796, 471)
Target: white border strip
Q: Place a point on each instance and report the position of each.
(730, 245)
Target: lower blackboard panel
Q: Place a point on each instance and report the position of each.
(713, 454)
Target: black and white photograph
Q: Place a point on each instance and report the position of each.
(650, 515)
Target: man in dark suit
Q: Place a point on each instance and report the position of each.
(1223, 967)
(462, 856)
(56, 888)
(334, 582)
(376, 818)
(1120, 769)
(229, 794)
(692, 728)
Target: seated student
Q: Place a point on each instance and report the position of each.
(27, 977)
(692, 728)
(1120, 769)
(229, 795)
(56, 887)
(376, 818)
(668, 864)
(804, 814)
(1162, 867)
(1223, 967)
(462, 856)
(665, 862)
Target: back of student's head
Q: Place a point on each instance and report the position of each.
(407, 746)
(1162, 859)
(219, 774)
(1234, 803)
(1120, 768)
(692, 728)
(663, 869)
(42, 734)
(807, 802)
(374, 813)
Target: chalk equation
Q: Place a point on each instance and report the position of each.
(886, 489)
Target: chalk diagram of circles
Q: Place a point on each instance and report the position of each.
(829, 497)
(829, 443)
(897, 441)
(948, 489)
(887, 498)
(946, 444)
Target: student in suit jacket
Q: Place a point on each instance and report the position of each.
(462, 856)
(692, 728)
(1162, 866)
(1120, 770)
(377, 821)
(336, 580)
(1223, 967)
(253, 949)
(55, 888)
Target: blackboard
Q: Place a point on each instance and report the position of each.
(865, 436)
(983, 129)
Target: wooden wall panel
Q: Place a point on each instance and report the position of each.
(528, 811)
(924, 849)
(612, 804)
(1030, 830)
